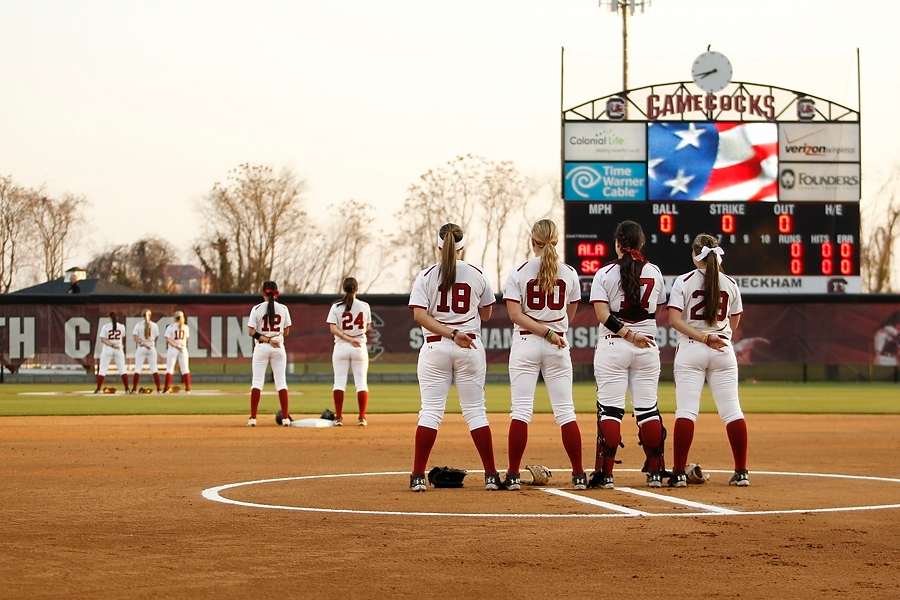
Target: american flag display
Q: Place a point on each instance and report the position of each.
(712, 161)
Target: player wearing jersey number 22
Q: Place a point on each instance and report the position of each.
(705, 309)
(542, 295)
(449, 300)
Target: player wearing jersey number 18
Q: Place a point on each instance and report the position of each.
(348, 320)
(705, 309)
(449, 300)
(627, 295)
(542, 295)
(268, 325)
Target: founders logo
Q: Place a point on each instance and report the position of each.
(615, 108)
(788, 179)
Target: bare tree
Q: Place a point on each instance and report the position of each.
(876, 256)
(255, 212)
(140, 266)
(56, 222)
(502, 197)
(215, 262)
(16, 223)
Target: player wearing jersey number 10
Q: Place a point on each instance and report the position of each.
(177, 336)
(542, 295)
(449, 300)
(705, 309)
(349, 319)
(268, 325)
(112, 337)
(627, 295)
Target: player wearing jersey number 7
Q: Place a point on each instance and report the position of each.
(627, 295)
(542, 295)
(268, 325)
(349, 319)
(177, 336)
(449, 300)
(705, 309)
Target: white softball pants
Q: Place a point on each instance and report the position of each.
(442, 362)
(695, 363)
(180, 356)
(148, 355)
(619, 367)
(346, 356)
(109, 354)
(263, 356)
(529, 355)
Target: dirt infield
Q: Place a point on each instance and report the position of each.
(112, 507)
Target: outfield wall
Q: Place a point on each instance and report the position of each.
(787, 337)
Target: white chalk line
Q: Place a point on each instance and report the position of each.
(214, 494)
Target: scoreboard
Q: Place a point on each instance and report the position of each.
(770, 247)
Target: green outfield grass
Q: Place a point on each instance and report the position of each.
(226, 399)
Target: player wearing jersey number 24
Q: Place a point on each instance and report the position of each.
(542, 295)
(705, 309)
(449, 300)
(348, 320)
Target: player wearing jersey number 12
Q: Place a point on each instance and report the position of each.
(542, 295)
(268, 325)
(705, 309)
(449, 300)
(348, 320)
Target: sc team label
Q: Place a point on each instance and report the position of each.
(605, 181)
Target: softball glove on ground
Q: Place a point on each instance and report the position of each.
(446, 477)
(540, 475)
(695, 474)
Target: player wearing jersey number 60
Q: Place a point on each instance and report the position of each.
(112, 336)
(705, 309)
(449, 300)
(627, 295)
(145, 335)
(542, 295)
(177, 336)
(269, 324)
(349, 319)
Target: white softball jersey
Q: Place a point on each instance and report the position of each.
(607, 287)
(259, 319)
(114, 335)
(689, 297)
(180, 335)
(456, 308)
(353, 322)
(139, 331)
(547, 309)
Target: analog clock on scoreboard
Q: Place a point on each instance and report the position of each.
(770, 247)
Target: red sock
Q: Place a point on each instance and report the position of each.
(187, 381)
(571, 439)
(254, 402)
(338, 396)
(125, 381)
(100, 379)
(737, 437)
(362, 398)
(484, 443)
(137, 377)
(612, 433)
(425, 438)
(168, 380)
(684, 436)
(515, 445)
(283, 400)
(155, 380)
(651, 437)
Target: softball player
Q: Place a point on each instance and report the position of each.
(627, 294)
(705, 309)
(145, 335)
(269, 324)
(449, 300)
(542, 295)
(112, 337)
(349, 319)
(177, 335)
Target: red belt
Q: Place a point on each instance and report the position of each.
(436, 338)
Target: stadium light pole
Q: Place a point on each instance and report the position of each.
(625, 7)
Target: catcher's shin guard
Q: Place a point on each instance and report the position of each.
(654, 451)
(603, 448)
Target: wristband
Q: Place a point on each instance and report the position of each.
(705, 338)
(256, 335)
(614, 324)
(549, 334)
(453, 334)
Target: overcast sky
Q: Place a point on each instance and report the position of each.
(142, 106)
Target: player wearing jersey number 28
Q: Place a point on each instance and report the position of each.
(705, 309)
(449, 300)
(542, 295)
(627, 295)
(268, 325)
(349, 319)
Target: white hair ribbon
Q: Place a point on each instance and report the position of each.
(459, 244)
(706, 250)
